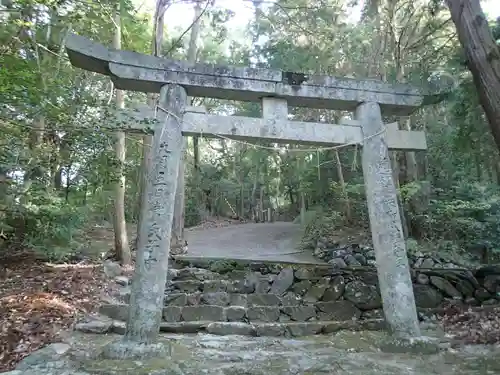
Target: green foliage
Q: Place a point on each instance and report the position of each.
(48, 225)
(56, 180)
(320, 223)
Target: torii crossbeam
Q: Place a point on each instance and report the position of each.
(138, 72)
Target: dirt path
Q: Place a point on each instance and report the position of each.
(260, 242)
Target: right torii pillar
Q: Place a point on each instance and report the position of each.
(388, 240)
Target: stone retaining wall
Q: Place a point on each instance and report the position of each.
(313, 293)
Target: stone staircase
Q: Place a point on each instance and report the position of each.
(257, 300)
(269, 299)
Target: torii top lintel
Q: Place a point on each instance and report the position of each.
(138, 72)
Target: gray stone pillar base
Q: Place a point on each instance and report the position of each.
(413, 345)
(126, 349)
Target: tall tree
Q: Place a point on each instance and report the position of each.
(122, 247)
(156, 45)
(179, 211)
(482, 57)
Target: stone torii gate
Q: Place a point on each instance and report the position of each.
(175, 80)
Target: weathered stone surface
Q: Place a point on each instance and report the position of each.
(214, 286)
(300, 313)
(361, 259)
(332, 327)
(373, 314)
(172, 273)
(417, 345)
(304, 329)
(446, 287)
(337, 263)
(338, 310)
(482, 294)
(192, 273)
(133, 71)
(99, 324)
(237, 299)
(290, 299)
(260, 282)
(112, 269)
(116, 312)
(351, 260)
(465, 288)
(122, 280)
(270, 329)
(215, 298)
(51, 353)
(175, 299)
(316, 292)
(235, 313)
(259, 299)
(123, 295)
(364, 296)
(426, 296)
(172, 313)
(189, 286)
(244, 286)
(183, 327)
(283, 281)
(304, 274)
(203, 312)
(491, 283)
(194, 299)
(423, 279)
(387, 233)
(427, 263)
(231, 328)
(301, 287)
(263, 314)
(336, 289)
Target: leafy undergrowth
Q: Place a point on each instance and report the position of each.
(473, 326)
(39, 302)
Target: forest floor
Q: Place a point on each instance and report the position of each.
(40, 302)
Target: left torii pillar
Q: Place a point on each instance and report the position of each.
(147, 294)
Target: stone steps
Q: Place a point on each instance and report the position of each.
(288, 329)
(320, 311)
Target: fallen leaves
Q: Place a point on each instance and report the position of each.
(38, 301)
(478, 326)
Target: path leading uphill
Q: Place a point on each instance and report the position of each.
(272, 242)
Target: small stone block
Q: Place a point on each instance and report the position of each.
(304, 329)
(235, 313)
(231, 328)
(263, 314)
(114, 311)
(270, 329)
(413, 345)
(203, 312)
(172, 313)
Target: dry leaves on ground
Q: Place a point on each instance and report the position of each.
(473, 326)
(38, 301)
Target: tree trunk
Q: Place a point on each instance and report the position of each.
(347, 205)
(147, 140)
(120, 226)
(179, 212)
(482, 55)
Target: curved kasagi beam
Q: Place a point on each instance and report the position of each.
(138, 72)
